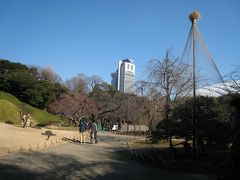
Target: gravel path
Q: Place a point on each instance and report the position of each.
(105, 160)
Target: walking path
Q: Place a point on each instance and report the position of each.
(105, 160)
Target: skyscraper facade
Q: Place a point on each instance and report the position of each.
(124, 78)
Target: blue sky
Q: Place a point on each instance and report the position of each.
(90, 36)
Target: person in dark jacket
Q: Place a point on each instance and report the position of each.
(82, 129)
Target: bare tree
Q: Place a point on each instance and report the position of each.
(78, 83)
(25, 116)
(169, 78)
(73, 106)
(48, 74)
(151, 103)
(234, 80)
(93, 81)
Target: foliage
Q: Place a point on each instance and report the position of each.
(108, 101)
(210, 118)
(6, 66)
(25, 83)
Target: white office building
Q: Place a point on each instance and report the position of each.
(124, 78)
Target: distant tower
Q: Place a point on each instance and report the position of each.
(124, 78)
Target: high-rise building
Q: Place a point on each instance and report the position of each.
(124, 78)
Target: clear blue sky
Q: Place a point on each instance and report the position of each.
(90, 36)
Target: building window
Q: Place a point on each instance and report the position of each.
(128, 66)
(131, 67)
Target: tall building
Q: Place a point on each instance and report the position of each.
(124, 78)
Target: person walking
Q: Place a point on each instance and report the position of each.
(94, 132)
(89, 129)
(82, 129)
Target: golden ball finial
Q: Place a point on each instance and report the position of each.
(194, 16)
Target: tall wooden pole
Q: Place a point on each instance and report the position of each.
(194, 89)
(194, 16)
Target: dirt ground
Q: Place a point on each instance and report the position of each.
(14, 138)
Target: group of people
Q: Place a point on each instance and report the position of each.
(88, 129)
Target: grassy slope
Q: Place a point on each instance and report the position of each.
(9, 111)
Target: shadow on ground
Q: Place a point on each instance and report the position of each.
(50, 166)
(67, 161)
